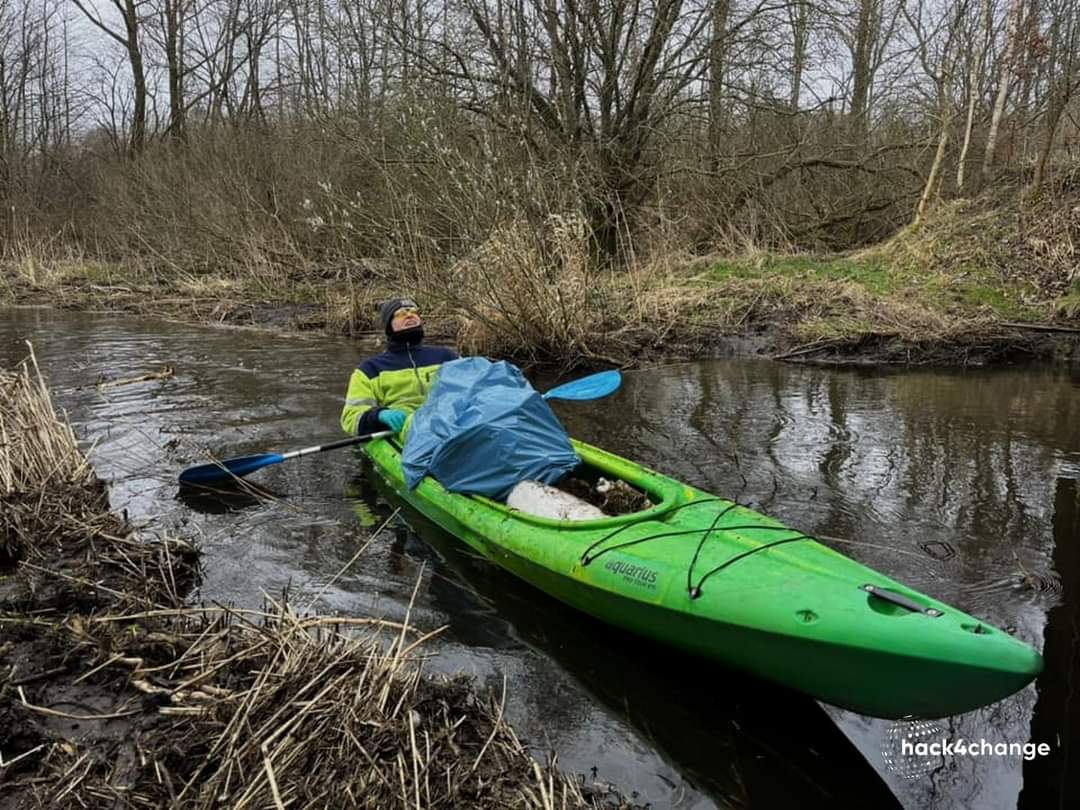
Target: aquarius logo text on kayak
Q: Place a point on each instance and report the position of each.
(638, 574)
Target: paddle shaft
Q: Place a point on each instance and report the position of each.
(239, 467)
(601, 385)
(335, 445)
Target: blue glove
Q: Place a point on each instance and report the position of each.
(393, 419)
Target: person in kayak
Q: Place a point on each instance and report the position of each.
(385, 390)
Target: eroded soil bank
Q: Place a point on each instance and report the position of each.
(990, 280)
(786, 333)
(113, 691)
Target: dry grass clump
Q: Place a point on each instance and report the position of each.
(1046, 251)
(844, 309)
(651, 293)
(528, 292)
(844, 321)
(298, 712)
(795, 302)
(659, 307)
(954, 235)
(803, 310)
(44, 479)
(39, 449)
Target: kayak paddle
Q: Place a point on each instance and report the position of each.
(220, 471)
(594, 386)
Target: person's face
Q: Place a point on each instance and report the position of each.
(405, 318)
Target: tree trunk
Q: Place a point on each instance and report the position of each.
(800, 36)
(973, 94)
(1064, 61)
(1053, 118)
(3, 128)
(943, 76)
(130, 41)
(174, 57)
(138, 75)
(1007, 66)
(935, 171)
(866, 33)
(717, 74)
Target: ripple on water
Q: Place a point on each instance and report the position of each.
(925, 476)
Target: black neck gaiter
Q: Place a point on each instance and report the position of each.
(406, 337)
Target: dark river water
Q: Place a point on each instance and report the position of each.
(963, 484)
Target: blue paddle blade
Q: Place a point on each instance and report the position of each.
(594, 386)
(227, 470)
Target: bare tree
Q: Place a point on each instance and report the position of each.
(718, 64)
(1064, 83)
(111, 102)
(800, 15)
(225, 54)
(173, 18)
(1007, 69)
(35, 101)
(596, 77)
(982, 38)
(130, 11)
(936, 43)
(19, 55)
(867, 30)
(359, 42)
(258, 27)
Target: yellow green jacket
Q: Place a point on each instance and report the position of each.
(401, 378)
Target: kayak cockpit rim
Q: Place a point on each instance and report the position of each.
(664, 493)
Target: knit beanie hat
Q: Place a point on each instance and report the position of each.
(388, 308)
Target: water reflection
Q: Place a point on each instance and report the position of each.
(738, 739)
(224, 498)
(1051, 781)
(939, 479)
(934, 478)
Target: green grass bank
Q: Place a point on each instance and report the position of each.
(985, 280)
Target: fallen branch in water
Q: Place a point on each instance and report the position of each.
(810, 348)
(1041, 327)
(166, 373)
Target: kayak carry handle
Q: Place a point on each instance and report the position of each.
(901, 600)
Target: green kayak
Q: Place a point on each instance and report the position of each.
(719, 580)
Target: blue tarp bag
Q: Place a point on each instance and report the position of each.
(483, 429)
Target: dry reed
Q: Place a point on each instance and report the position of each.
(39, 448)
(112, 692)
(53, 508)
(527, 292)
(295, 711)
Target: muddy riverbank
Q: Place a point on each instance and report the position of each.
(978, 282)
(112, 689)
(779, 335)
